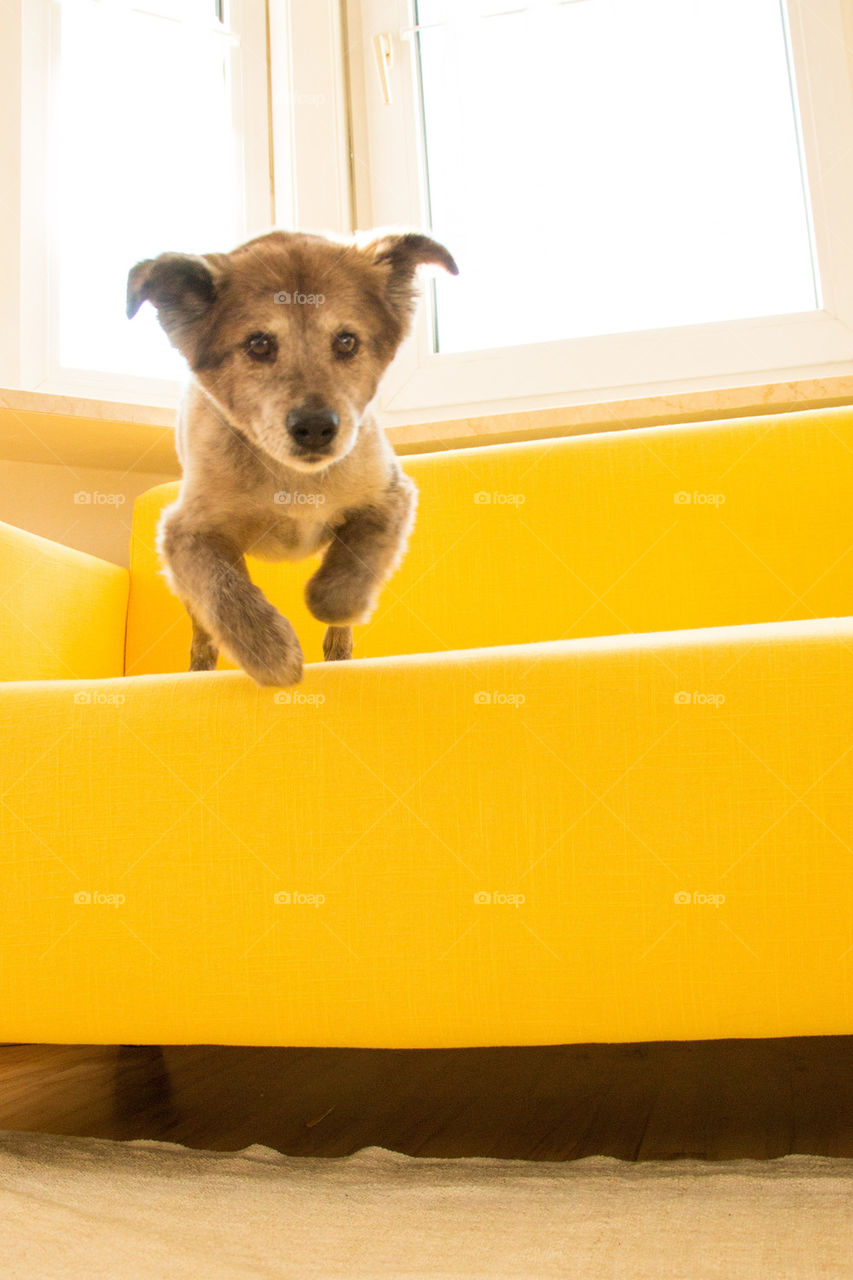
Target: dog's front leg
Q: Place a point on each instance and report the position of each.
(365, 549)
(206, 570)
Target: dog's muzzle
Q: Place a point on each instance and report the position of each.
(312, 430)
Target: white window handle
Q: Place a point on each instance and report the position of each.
(384, 50)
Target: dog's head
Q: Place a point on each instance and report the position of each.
(291, 333)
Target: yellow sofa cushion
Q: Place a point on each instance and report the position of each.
(588, 787)
(585, 536)
(62, 613)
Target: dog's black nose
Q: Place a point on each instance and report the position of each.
(312, 428)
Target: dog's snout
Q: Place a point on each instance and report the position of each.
(312, 428)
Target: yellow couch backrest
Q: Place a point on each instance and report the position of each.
(644, 530)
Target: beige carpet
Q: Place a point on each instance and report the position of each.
(74, 1207)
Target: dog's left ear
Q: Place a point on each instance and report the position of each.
(400, 255)
(181, 286)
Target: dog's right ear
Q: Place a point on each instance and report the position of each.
(180, 285)
(398, 255)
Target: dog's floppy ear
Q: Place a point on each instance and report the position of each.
(180, 285)
(400, 254)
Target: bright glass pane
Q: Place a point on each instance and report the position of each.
(605, 166)
(144, 159)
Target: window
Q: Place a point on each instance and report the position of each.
(640, 195)
(644, 196)
(155, 138)
(637, 163)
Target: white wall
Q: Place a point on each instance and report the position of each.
(41, 499)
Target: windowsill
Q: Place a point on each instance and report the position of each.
(607, 414)
(73, 431)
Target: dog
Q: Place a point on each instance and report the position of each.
(287, 339)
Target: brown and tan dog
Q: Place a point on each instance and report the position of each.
(287, 339)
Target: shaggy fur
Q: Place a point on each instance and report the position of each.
(287, 339)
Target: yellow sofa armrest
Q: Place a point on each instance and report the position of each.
(62, 612)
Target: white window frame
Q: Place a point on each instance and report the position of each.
(390, 189)
(29, 359)
(310, 116)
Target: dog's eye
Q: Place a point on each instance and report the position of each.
(344, 345)
(261, 346)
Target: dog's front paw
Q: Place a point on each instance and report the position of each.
(273, 656)
(341, 598)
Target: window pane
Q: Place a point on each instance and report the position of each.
(144, 159)
(603, 166)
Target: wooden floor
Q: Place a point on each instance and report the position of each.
(715, 1100)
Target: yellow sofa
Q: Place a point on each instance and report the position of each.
(590, 777)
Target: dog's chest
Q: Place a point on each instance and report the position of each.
(283, 515)
(282, 536)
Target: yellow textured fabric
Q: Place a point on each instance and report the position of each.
(661, 824)
(574, 834)
(62, 613)
(580, 537)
